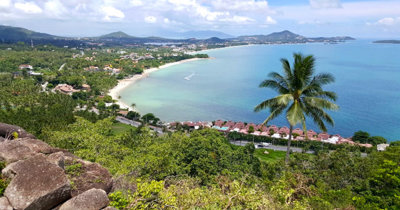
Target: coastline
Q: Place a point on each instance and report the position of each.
(124, 83)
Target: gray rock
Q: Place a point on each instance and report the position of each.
(93, 199)
(92, 175)
(7, 130)
(109, 208)
(14, 150)
(36, 184)
(36, 145)
(57, 158)
(4, 204)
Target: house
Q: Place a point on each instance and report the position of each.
(123, 113)
(65, 88)
(382, 147)
(323, 136)
(284, 130)
(219, 123)
(298, 131)
(345, 141)
(32, 73)
(25, 66)
(311, 134)
(238, 126)
(86, 87)
(273, 128)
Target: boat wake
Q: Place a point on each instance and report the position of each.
(190, 76)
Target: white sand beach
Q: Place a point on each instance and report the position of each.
(122, 84)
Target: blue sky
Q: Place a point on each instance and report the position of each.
(358, 18)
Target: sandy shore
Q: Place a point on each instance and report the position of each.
(122, 84)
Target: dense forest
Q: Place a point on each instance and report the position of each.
(184, 169)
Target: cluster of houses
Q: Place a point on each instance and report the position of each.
(272, 131)
(135, 57)
(29, 70)
(106, 68)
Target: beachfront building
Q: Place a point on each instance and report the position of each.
(65, 88)
(382, 147)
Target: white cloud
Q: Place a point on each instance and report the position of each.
(150, 19)
(136, 3)
(28, 7)
(5, 5)
(111, 14)
(387, 21)
(54, 8)
(318, 4)
(238, 19)
(166, 20)
(270, 21)
(240, 5)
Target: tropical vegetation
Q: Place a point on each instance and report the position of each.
(300, 95)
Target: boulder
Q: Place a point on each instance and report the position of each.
(93, 199)
(4, 204)
(36, 145)
(91, 175)
(110, 208)
(36, 184)
(57, 158)
(7, 130)
(14, 150)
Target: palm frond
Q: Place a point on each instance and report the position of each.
(275, 111)
(281, 100)
(295, 113)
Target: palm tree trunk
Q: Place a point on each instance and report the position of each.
(288, 145)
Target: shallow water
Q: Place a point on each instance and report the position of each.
(367, 83)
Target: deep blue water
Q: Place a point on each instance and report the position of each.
(367, 83)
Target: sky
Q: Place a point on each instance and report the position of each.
(357, 18)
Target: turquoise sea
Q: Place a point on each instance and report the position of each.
(367, 84)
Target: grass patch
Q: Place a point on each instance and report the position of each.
(120, 128)
(272, 156)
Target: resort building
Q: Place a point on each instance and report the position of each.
(382, 147)
(65, 88)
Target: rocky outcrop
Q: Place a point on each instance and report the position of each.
(36, 184)
(5, 204)
(92, 199)
(41, 176)
(7, 131)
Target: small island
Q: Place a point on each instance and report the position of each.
(387, 42)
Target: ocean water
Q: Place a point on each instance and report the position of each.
(226, 87)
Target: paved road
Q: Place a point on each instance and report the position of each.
(137, 124)
(273, 147)
(127, 121)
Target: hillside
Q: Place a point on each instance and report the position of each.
(118, 34)
(283, 36)
(8, 33)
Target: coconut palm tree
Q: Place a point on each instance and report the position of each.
(300, 95)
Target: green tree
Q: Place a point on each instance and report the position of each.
(361, 137)
(300, 95)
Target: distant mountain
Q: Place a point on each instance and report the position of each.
(13, 34)
(283, 36)
(116, 35)
(289, 37)
(387, 42)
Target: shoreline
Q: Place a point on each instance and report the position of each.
(124, 83)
